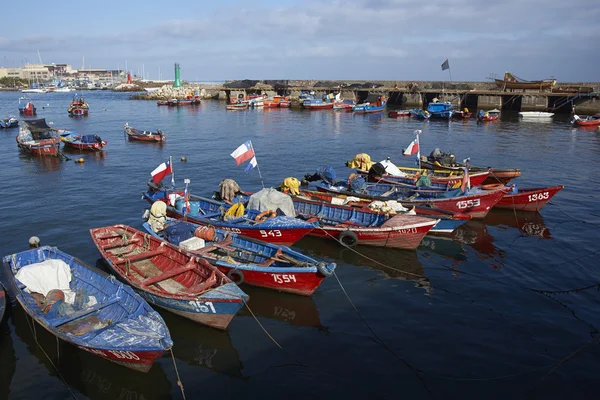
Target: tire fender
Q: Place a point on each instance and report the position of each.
(325, 269)
(348, 238)
(236, 276)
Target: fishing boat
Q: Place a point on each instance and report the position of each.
(81, 142)
(590, 120)
(2, 301)
(85, 307)
(78, 107)
(511, 81)
(240, 105)
(191, 100)
(38, 138)
(144, 136)
(440, 110)
(420, 114)
(487, 116)
(399, 113)
(26, 106)
(475, 202)
(267, 226)
(315, 103)
(247, 260)
(464, 114)
(9, 122)
(162, 103)
(343, 104)
(352, 226)
(168, 276)
(528, 199)
(372, 104)
(535, 115)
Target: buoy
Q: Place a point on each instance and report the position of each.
(79, 160)
(183, 158)
(105, 109)
(34, 241)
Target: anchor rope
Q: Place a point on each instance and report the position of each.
(179, 383)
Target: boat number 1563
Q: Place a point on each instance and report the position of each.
(538, 196)
(468, 203)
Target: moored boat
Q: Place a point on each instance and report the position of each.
(535, 114)
(37, 138)
(440, 110)
(487, 116)
(26, 106)
(168, 276)
(9, 122)
(82, 142)
(144, 136)
(590, 120)
(78, 107)
(270, 227)
(85, 307)
(464, 114)
(511, 81)
(528, 199)
(372, 104)
(246, 260)
(399, 113)
(237, 106)
(315, 103)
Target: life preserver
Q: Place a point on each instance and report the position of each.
(348, 238)
(236, 276)
(265, 215)
(241, 96)
(324, 268)
(493, 186)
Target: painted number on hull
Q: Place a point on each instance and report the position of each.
(468, 203)
(283, 278)
(203, 306)
(539, 196)
(124, 355)
(270, 233)
(234, 230)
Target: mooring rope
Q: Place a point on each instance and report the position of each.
(179, 383)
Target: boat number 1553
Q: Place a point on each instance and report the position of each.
(468, 203)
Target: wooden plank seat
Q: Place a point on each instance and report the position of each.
(168, 274)
(140, 256)
(82, 313)
(122, 243)
(202, 286)
(210, 215)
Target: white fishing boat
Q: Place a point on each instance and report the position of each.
(535, 114)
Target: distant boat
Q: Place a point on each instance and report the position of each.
(26, 106)
(62, 90)
(144, 136)
(486, 116)
(373, 103)
(37, 138)
(9, 122)
(82, 142)
(441, 110)
(535, 114)
(511, 81)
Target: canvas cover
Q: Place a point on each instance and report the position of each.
(272, 199)
(44, 276)
(360, 161)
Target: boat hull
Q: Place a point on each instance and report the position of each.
(528, 199)
(41, 147)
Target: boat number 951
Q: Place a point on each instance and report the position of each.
(203, 306)
(270, 233)
(468, 203)
(538, 196)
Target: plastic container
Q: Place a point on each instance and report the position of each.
(191, 244)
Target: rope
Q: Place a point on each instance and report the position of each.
(33, 331)
(179, 383)
(371, 259)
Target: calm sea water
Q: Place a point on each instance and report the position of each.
(498, 315)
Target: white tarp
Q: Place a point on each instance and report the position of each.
(272, 199)
(44, 276)
(391, 169)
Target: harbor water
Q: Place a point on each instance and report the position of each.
(508, 306)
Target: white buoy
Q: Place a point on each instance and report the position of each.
(34, 241)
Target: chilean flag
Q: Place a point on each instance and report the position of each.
(412, 148)
(243, 153)
(161, 171)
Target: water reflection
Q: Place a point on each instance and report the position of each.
(40, 164)
(293, 309)
(8, 357)
(202, 346)
(91, 375)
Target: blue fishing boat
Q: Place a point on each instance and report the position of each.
(9, 122)
(372, 104)
(76, 141)
(266, 225)
(2, 301)
(420, 114)
(440, 110)
(247, 260)
(86, 307)
(170, 277)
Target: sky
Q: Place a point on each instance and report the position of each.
(401, 40)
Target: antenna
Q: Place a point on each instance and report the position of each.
(40, 57)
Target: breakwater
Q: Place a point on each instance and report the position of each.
(579, 97)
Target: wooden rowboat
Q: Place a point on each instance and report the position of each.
(169, 277)
(247, 260)
(106, 317)
(144, 136)
(528, 199)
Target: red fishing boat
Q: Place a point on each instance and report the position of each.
(144, 136)
(78, 107)
(527, 199)
(82, 142)
(37, 138)
(464, 114)
(591, 120)
(487, 116)
(26, 106)
(399, 113)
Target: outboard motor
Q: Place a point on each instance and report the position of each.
(376, 172)
(154, 187)
(445, 158)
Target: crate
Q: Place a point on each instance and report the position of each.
(192, 244)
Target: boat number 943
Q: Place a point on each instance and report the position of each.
(539, 196)
(468, 203)
(284, 278)
(270, 233)
(203, 306)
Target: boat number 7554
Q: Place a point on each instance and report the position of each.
(468, 203)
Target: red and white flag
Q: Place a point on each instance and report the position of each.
(412, 148)
(161, 171)
(243, 153)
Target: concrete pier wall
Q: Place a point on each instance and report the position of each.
(534, 103)
(489, 102)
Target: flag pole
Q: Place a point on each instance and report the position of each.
(418, 132)
(257, 167)
(450, 73)
(172, 172)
